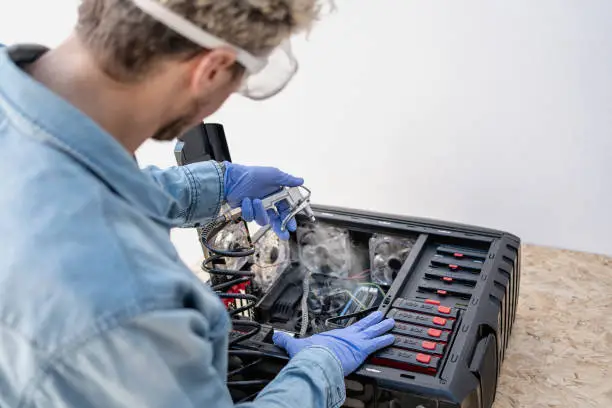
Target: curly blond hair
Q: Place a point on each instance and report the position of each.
(127, 42)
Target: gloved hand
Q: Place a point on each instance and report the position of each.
(352, 345)
(246, 185)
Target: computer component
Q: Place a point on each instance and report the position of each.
(453, 299)
(272, 256)
(232, 237)
(387, 255)
(324, 249)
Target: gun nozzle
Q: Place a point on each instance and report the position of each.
(308, 211)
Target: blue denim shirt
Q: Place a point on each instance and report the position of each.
(96, 308)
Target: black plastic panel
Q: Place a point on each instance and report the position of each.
(204, 142)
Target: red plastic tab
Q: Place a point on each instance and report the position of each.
(423, 358)
(444, 309)
(432, 302)
(458, 255)
(447, 279)
(429, 345)
(441, 292)
(439, 321)
(453, 267)
(434, 332)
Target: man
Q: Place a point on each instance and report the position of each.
(95, 307)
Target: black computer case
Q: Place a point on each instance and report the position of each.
(454, 301)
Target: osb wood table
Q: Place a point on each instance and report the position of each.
(560, 352)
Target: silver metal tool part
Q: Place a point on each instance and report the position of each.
(298, 199)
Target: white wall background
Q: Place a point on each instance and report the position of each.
(496, 113)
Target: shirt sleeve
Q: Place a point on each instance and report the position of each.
(197, 190)
(166, 359)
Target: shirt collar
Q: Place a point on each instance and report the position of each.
(63, 126)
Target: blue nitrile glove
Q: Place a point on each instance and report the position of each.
(352, 345)
(246, 185)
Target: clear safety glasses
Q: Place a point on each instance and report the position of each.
(264, 76)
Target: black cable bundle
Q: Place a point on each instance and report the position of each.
(239, 276)
(235, 277)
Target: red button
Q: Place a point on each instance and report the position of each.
(434, 332)
(439, 321)
(453, 266)
(432, 302)
(429, 345)
(458, 255)
(447, 279)
(441, 292)
(444, 309)
(423, 358)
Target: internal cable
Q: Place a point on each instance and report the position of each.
(374, 285)
(244, 368)
(256, 327)
(330, 322)
(305, 292)
(247, 383)
(240, 277)
(249, 398)
(246, 353)
(236, 277)
(354, 299)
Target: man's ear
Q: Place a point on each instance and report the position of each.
(211, 69)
